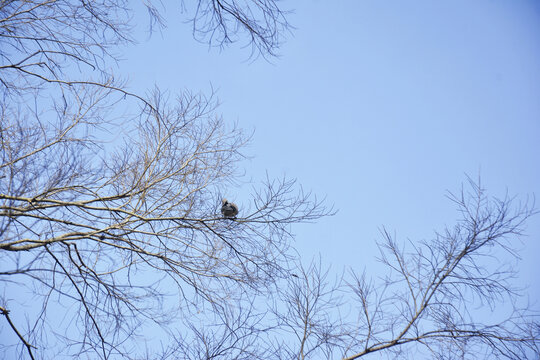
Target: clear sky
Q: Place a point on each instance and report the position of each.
(378, 106)
(381, 106)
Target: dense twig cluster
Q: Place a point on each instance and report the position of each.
(220, 22)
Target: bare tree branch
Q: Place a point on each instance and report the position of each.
(433, 289)
(308, 310)
(28, 346)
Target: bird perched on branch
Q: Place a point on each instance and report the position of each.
(229, 210)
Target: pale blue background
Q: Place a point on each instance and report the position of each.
(381, 106)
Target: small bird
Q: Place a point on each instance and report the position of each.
(229, 210)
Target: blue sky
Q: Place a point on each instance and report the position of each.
(379, 106)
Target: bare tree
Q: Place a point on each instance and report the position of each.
(111, 226)
(110, 201)
(452, 297)
(85, 222)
